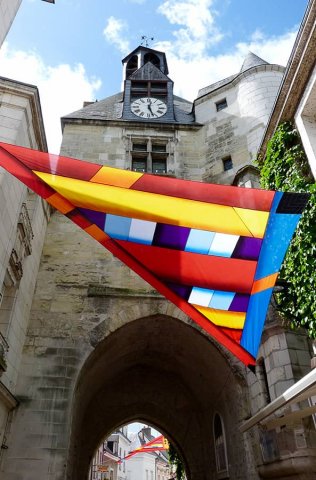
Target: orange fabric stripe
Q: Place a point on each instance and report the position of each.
(116, 177)
(60, 203)
(264, 283)
(96, 233)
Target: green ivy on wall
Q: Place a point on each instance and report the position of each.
(176, 462)
(286, 168)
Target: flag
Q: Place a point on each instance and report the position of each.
(155, 445)
(213, 250)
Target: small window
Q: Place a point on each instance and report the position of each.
(159, 148)
(139, 165)
(227, 163)
(159, 166)
(221, 104)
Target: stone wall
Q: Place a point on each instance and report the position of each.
(23, 219)
(236, 130)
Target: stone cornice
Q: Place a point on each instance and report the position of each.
(31, 93)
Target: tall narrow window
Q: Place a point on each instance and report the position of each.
(227, 163)
(132, 65)
(262, 377)
(220, 447)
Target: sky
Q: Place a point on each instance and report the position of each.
(72, 50)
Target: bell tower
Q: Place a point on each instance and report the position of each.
(148, 91)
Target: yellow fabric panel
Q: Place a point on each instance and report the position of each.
(223, 318)
(255, 220)
(115, 177)
(150, 206)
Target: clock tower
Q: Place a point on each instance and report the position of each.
(148, 91)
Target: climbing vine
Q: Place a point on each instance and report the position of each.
(176, 462)
(286, 168)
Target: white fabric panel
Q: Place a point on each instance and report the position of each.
(201, 296)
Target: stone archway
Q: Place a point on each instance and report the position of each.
(164, 372)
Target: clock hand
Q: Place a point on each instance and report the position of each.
(149, 106)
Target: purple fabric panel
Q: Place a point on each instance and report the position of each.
(183, 291)
(239, 303)
(171, 236)
(95, 217)
(247, 248)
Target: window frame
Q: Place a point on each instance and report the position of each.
(155, 154)
(149, 88)
(225, 161)
(221, 104)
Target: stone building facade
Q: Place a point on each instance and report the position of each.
(94, 347)
(23, 219)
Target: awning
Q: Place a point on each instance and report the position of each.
(304, 389)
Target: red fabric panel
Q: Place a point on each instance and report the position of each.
(206, 192)
(188, 268)
(233, 333)
(49, 163)
(79, 219)
(21, 172)
(216, 332)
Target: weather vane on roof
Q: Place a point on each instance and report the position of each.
(146, 40)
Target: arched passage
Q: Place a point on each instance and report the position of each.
(163, 372)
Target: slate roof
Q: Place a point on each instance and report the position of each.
(251, 60)
(111, 109)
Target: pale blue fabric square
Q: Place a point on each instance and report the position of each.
(117, 227)
(199, 241)
(200, 296)
(221, 300)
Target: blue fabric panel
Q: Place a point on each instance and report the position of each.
(117, 227)
(199, 241)
(221, 300)
(277, 238)
(276, 200)
(255, 318)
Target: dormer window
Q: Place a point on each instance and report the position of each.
(221, 104)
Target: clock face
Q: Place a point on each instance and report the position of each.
(149, 107)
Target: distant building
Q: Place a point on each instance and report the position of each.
(147, 465)
(104, 464)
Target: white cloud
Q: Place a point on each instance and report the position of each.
(191, 74)
(113, 33)
(192, 65)
(198, 28)
(62, 88)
